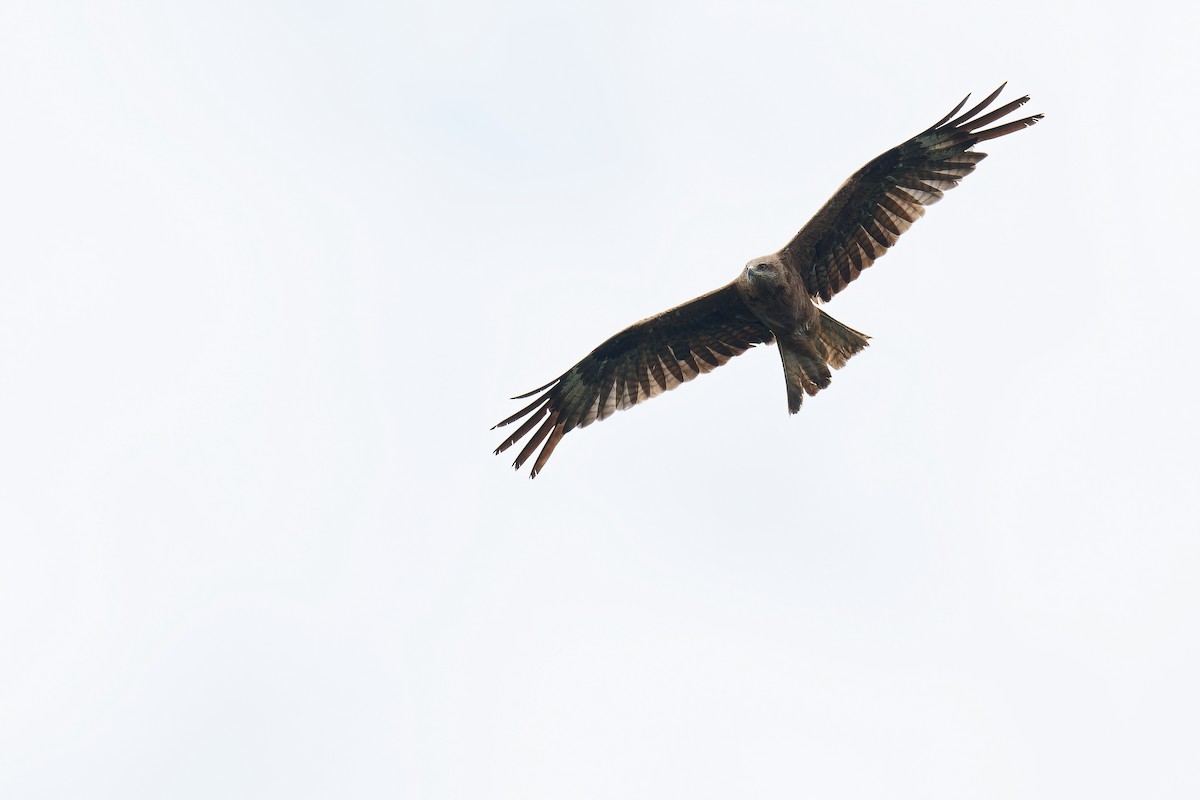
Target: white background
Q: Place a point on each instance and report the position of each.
(270, 272)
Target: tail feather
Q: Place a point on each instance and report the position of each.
(841, 342)
(804, 370)
(807, 359)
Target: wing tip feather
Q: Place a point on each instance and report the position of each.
(953, 111)
(539, 389)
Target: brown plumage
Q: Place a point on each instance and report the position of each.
(772, 300)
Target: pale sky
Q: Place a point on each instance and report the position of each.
(272, 270)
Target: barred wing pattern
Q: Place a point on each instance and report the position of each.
(642, 361)
(883, 199)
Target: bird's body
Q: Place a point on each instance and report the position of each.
(776, 294)
(775, 297)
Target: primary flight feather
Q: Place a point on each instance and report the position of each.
(774, 298)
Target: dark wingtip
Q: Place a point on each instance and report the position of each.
(953, 111)
(963, 118)
(1007, 128)
(535, 391)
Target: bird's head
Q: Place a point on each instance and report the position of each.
(764, 271)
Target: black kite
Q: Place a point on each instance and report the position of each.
(773, 299)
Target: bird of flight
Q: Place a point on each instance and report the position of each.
(774, 298)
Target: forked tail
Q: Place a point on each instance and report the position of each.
(840, 341)
(806, 360)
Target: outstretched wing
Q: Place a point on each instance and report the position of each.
(642, 361)
(883, 199)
